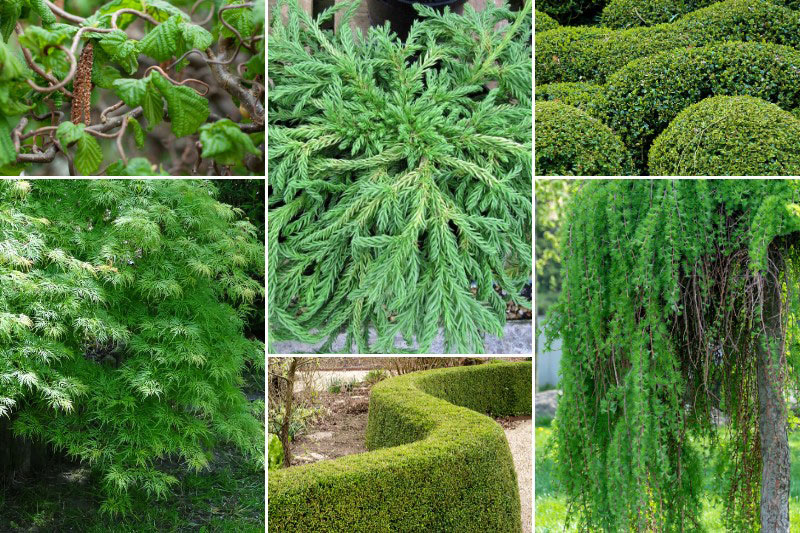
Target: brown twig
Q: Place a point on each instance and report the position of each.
(233, 86)
(234, 30)
(139, 14)
(63, 14)
(187, 80)
(15, 133)
(210, 14)
(110, 109)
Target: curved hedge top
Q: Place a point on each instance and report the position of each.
(543, 21)
(592, 54)
(585, 96)
(731, 136)
(646, 95)
(569, 142)
(436, 464)
(621, 14)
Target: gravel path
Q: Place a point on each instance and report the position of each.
(519, 439)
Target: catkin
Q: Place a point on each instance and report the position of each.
(82, 93)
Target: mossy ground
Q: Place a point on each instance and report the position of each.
(228, 498)
(551, 506)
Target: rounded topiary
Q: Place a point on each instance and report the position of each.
(569, 142)
(730, 136)
(543, 21)
(591, 54)
(647, 94)
(622, 14)
(585, 96)
(566, 11)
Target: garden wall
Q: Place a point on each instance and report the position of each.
(437, 462)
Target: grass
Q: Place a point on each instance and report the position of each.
(228, 499)
(551, 507)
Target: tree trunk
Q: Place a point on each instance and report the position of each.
(18, 457)
(287, 416)
(775, 458)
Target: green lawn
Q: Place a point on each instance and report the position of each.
(229, 498)
(551, 509)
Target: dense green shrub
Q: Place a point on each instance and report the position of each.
(569, 142)
(728, 136)
(121, 325)
(647, 94)
(543, 21)
(592, 54)
(398, 178)
(621, 14)
(436, 464)
(585, 96)
(568, 11)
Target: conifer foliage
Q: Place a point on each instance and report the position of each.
(400, 173)
(121, 317)
(678, 310)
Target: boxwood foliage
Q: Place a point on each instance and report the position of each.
(621, 14)
(543, 21)
(592, 54)
(570, 11)
(569, 142)
(646, 95)
(728, 135)
(436, 463)
(585, 96)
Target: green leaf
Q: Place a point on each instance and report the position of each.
(196, 36)
(67, 133)
(9, 13)
(153, 106)
(138, 133)
(41, 9)
(161, 10)
(187, 109)
(88, 156)
(241, 19)
(131, 91)
(161, 42)
(104, 76)
(8, 154)
(102, 17)
(121, 49)
(38, 37)
(224, 142)
(11, 66)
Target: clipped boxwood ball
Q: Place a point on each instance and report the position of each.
(543, 21)
(622, 14)
(591, 54)
(728, 136)
(647, 94)
(569, 142)
(585, 96)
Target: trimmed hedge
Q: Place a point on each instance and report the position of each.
(566, 11)
(621, 14)
(543, 21)
(647, 94)
(593, 54)
(728, 136)
(436, 463)
(585, 96)
(569, 142)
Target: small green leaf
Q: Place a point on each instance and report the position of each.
(67, 133)
(131, 91)
(187, 109)
(196, 36)
(8, 154)
(41, 9)
(11, 67)
(161, 42)
(121, 49)
(224, 142)
(88, 156)
(9, 13)
(138, 133)
(153, 106)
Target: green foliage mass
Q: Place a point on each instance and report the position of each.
(121, 318)
(398, 177)
(436, 462)
(648, 93)
(621, 14)
(569, 142)
(660, 316)
(543, 21)
(740, 136)
(587, 97)
(570, 11)
(592, 54)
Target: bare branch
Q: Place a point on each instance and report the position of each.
(233, 86)
(63, 14)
